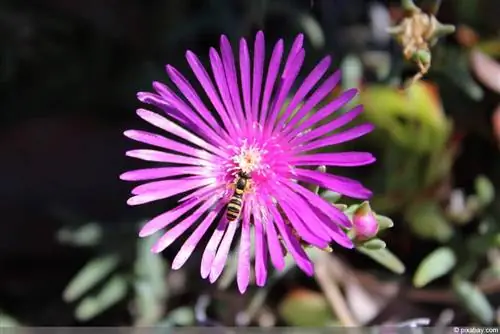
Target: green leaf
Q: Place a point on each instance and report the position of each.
(485, 190)
(438, 263)
(150, 267)
(384, 222)
(385, 257)
(182, 316)
(331, 196)
(7, 321)
(373, 244)
(85, 236)
(147, 305)
(89, 276)
(427, 221)
(305, 308)
(110, 294)
(474, 301)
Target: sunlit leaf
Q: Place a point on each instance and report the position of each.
(85, 236)
(150, 267)
(305, 308)
(427, 220)
(474, 301)
(182, 316)
(110, 294)
(438, 263)
(485, 190)
(373, 244)
(385, 257)
(331, 196)
(384, 222)
(90, 275)
(7, 320)
(148, 309)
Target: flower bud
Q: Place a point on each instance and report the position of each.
(364, 221)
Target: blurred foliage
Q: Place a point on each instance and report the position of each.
(80, 64)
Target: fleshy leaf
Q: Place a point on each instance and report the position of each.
(438, 263)
(427, 221)
(385, 257)
(474, 301)
(384, 222)
(485, 190)
(305, 308)
(110, 294)
(373, 244)
(84, 236)
(150, 267)
(90, 275)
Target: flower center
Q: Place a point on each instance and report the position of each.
(248, 160)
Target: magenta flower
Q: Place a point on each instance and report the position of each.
(247, 136)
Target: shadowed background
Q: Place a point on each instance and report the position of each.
(69, 74)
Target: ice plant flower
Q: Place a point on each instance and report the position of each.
(365, 223)
(249, 128)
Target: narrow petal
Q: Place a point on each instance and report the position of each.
(338, 235)
(231, 77)
(169, 217)
(326, 111)
(190, 94)
(202, 75)
(187, 182)
(337, 138)
(246, 80)
(157, 156)
(275, 249)
(294, 51)
(220, 79)
(164, 124)
(158, 101)
(309, 82)
(169, 144)
(211, 249)
(319, 95)
(291, 243)
(178, 104)
(162, 172)
(345, 118)
(342, 159)
(320, 203)
(171, 235)
(222, 252)
(272, 73)
(285, 86)
(260, 255)
(341, 185)
(258, 71)
(190, 244)
(243, 272)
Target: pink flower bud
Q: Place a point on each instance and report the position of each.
(364, 221)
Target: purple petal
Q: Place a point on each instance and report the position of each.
(188, 91)
(258, 69)
(318, 96)
(190, 244)
(309, 82)
(157, 156)
(326, 111)
(161, 172)
(272, 73)
(220, 79)
(222, 252)
(211, 249)
(338, 235)
(158, 101)
(202, 75)
(294, 51)
(243, 273)
(275, 249)
(342, 159)
(171, 235)
(246, 80)
(176, 189)
(320, 203)
(260, 255)
(231, 77)
(338, 184)
(337, 138)
(328, 127)
(284, 89)
(162, 142)
(165, 124)
(169, 217)
(291, 243)
(168, 184)
(178, 104)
